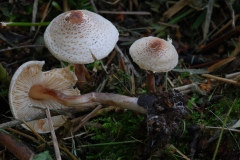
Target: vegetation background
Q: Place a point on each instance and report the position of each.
(205, 34)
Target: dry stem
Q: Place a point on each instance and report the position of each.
(221, 79)
(54, 138)
(86, 118)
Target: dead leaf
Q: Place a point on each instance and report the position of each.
(207, 87)
(220, 64)
(175, 8)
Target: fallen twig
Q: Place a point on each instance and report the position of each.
(54, 138)
(127, 13)
(208, 18)
(170, 146)
(175, 8)
(221, 79)
(18, 149)
(218, 41)
(224, 27)
(18, 47)
(86, 118)
(22, 134)
(64, 111)
(229, 129)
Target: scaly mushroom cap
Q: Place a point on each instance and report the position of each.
(154, 54)
(30, 74)
(80, 37)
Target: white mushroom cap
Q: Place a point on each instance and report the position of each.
(154, 54)
(80, 36)
(30, 74)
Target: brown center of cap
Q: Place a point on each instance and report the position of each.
(156, 44)
(75, 17)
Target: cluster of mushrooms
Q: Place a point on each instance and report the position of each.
(80, 37)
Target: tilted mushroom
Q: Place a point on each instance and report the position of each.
(31, 87)
(154, 55)
(80, 37)
(30, 74)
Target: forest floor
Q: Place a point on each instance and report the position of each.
(194, 114)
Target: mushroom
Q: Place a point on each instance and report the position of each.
(80, 37)
(154, 55)
(30, 74)
(31, 87)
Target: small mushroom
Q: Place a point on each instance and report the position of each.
(30, 74)
(154, 55)
(80, 37)
(31, 87)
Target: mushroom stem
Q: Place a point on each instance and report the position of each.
(151, 82)
(82, 75)
(38, 92)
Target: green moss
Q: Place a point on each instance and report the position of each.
(118, 127)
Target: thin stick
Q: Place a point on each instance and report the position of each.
(65, 6)
(18, 47)
(221, 79)
(128, 63)
(169, 25)
(112, 3)
(98, 113)
(185, 87)
(179, 152)
(43, 140)
(126, 13)
(232, 75)
(170, 82)
(219, 40)
(94, 6)
(175, 8)
(66, 112)
(68, 152)
(76, 135)
(111, 57)
(166, 77)
(35, 133)
(104, 110)
(208, 18)
(133, 88)
(224, 27)
(85, 119)
(229, 129)
(54, 138)
(34, 14)
(186, 91)
(44, 15)
(25, 24)
(188, 86)
(22, 134)
(223, 126)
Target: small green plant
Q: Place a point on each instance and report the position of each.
(192, 101)
(118, 139)
(184, 74)
(222, 113)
